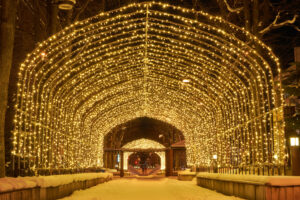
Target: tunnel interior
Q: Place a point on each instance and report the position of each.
(143, 127)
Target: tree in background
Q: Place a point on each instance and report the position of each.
(291, 85)
(276, 22)
(7, 31)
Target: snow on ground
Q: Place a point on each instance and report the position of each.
(148, 189)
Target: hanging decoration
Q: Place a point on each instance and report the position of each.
(66, 4)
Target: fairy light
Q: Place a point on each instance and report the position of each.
(131, 62)
(43, 54)
(143, 144)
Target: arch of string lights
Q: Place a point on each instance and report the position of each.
(143, 144)
(209, 78)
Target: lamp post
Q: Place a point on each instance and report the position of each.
(294, 141)
(214, 163)
(295, 155)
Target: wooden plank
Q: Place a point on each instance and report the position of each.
(275, 193)
(296, 192)
(282, 193)
(289, 193)
(5, 196)
(249, 191)
(260, 192)
(268, 193)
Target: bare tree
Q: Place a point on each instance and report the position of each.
(257, 15)
(7, 32)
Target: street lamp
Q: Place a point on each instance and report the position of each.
(294, 141)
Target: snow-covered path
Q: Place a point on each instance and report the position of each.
(142, 189)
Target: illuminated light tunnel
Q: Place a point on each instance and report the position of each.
(209, 78)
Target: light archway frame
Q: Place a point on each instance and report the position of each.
(211, 79)
(144, 144)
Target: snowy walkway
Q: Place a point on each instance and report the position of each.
(137, 189)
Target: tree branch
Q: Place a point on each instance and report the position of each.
(295, 27)
(274, 24)
(230, 9)
(81, 10)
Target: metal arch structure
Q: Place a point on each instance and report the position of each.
(209, 78)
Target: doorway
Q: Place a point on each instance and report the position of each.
(144, 163)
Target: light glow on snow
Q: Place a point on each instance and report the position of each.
(148, 189)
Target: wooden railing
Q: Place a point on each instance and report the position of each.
(252, 187)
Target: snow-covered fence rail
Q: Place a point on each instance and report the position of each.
(252, 187)
(186, 175)
(48, 187)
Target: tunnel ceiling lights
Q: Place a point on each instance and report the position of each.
(131, 62)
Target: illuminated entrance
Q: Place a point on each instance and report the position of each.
(211, 80)
(144, 138)
(144, 154)
(143, 163)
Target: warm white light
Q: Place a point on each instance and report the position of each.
(43, 54)
(186, 80)
(275, 157)
(294, 141)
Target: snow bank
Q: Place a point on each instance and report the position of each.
(9, 183)
(186, 173)
(111, 170)
(56, 180)
(265, 180)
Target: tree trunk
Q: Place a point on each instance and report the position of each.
(69, 17)
(7, 33)
(255, 11)
(53, 13)
(103, 5)
(39, 32)
(223, 9)
(247, 15)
